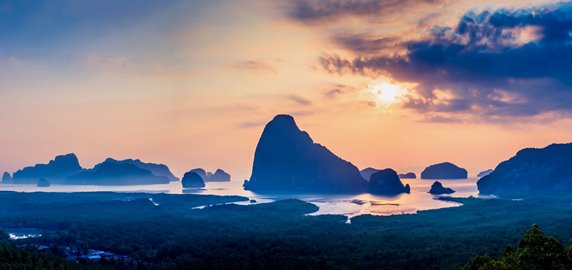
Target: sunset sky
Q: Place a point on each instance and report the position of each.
(400, 84)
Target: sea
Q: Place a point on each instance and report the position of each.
(349, 205)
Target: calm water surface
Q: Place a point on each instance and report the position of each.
(349, 205)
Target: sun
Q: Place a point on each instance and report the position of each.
(386, 92)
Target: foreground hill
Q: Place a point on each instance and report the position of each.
(532, 171)
(288, 160)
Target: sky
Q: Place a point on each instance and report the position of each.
(382, 83)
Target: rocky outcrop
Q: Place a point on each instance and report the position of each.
(56, 171)
(408, 175)
(6, 178)
(111, 172)
(288, 160)
(444, 170)
(532, 171)
(387, 182)
(43, 183)
(156, 169)
(367, 172)
(437, 189)
(218, 176)
(193, 180)
(484, 173)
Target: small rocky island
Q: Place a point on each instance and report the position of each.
(387, 182)
(532, 170)
(437, 189)
(43, 183)
(445, 170)
(288, 160)
(192, 180)
(409, 175)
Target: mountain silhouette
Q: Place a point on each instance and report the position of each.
(532, 171)
(156, 169)
(287, 160)
(445, 170)
(111, 172)
(56, 171)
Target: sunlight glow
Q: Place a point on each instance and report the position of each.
(386, 92)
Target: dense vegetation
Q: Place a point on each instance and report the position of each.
(166, 232)
(17, 258)
(535, 251)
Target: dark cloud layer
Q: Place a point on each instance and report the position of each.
(311, 11)
(493, 64)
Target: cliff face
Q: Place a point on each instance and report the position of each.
(532, 170)
(288, 160)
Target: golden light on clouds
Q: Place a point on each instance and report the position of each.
(386, 92)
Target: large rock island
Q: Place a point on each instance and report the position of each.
(532, 171)
(445, 170)
(287, 160)
(387, 182)
(56, 171)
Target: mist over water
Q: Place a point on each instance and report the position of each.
(349, 205)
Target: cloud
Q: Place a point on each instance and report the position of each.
(501, 63)
(254, 65)
(314, 11)
(366, 44)
(300, 100)
(338, 90)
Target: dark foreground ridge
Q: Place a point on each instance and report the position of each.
(288, 160)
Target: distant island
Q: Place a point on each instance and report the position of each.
(110, 172)
(532, 170)
(287, 160)
(445, 170)
(66, 170)
(57, 171)
(218, 176)
(409, 175)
